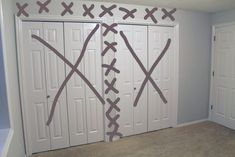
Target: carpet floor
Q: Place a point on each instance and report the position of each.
(205, 139)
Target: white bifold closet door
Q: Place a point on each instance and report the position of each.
(159, 113)
(43, 73)
(133, 120)
(84, 108)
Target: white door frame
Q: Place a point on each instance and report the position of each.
(51, 18)
(212, 66)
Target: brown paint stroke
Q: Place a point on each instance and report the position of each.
(169, 14)
(109, 46)
(71, 73)
(110, 67)
(113, 105)
(67, 8)
(128, 13)
(110, 28)
(71, 65)
(22, 9)
(148, 74)
(43, 6)
(150, 14)
(107, 10)
(110, 86)
(87, 11)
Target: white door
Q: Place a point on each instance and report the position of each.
(133, 120)
(43, 73)
(55, 75)
(159, 113)
(85, 110)
(224, 77)
(34, 84)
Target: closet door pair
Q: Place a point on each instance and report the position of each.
(85, 110)
(150, 113)
(78, 116)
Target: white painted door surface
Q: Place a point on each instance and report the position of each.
(55, 75)
(85, 110)
(159, 113)
(74, 40)
(224, 77)
(132, 120)
(43, 73)
(34, 82)
(95, 109)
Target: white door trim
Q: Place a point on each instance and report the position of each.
(212, 65)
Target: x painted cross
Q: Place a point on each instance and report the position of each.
(107, 10)
(67, 8)
(169, 14)
(150, 14)
(43, 6)
(148, 74)
(74, 69)
(87, 11)
(22, 9)
(129, 13)
(109, 46)
(109, 28)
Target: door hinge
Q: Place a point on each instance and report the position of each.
(214, 38)
(213, 73)
(211, 107)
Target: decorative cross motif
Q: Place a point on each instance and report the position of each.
(67, 8)
(87, 11)
(74, 69)
(150, 14)
(128, 13)
(148, 74)
(43, 6)
(111, 86)
(22, 9)
(169, 14)
(109, 28)
(110, 67)
(109, 46)
(107, 10)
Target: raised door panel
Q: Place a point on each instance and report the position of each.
(55, 75)
(140, 47)
(74, 40)
(93, 71)
(125, 82)
(34, 85)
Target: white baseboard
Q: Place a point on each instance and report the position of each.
(7, 143)
(193, 122)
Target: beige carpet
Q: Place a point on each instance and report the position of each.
(206, 139)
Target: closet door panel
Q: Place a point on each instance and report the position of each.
(74, 40)
(167, 77)
(159, 113)
(125, 81)
(140, 48)
(34, 83)
(55, 75)
(95, 112)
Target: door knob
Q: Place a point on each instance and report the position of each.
(48, 96)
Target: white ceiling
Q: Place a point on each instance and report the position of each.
(197, 5)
